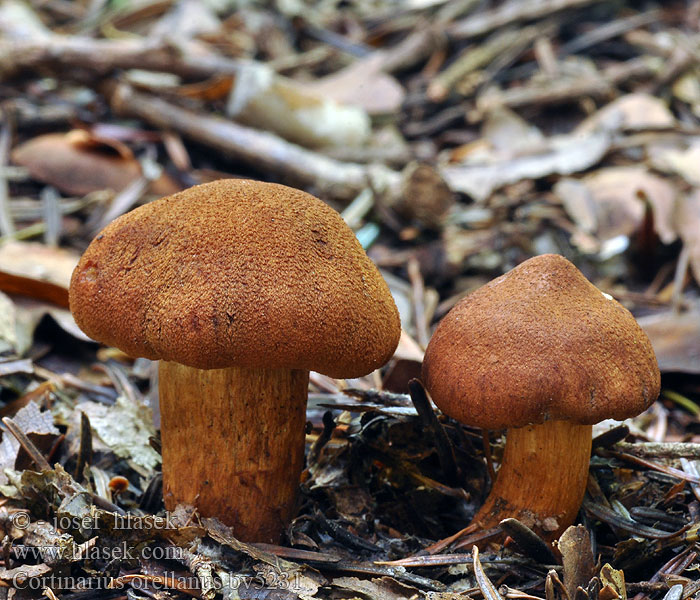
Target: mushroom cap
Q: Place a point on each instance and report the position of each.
(538, 343)
(237, 273)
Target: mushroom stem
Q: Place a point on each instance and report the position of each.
(542, 478)
(237, 455)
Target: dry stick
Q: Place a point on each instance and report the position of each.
(27, 444)
(44, 465)
(598, 35)
(690, 467)
(528, 36)
(365, 569)
(678, 57)
(85, 452)
(451, 11)
(679, 278)
(648, 42)
(437, 560)
(608, 31)
(103, 56)
(458, 538)
(418, 297)
(683, 55)
(51, 212)
(7, 226)
(653, 466)
(470, 60)
(298, 555)
(427, 38)
(262, 150)
(486, 445)
(510, 12)
(670, 567)
(660, 449)
(120, 381)
(23, 208)
(189, 59)
(656, 515)
(614, 519)
(122, 202)
(341, 180)
(414, 49)
(564, 90)
(30, 116)
(309, 59)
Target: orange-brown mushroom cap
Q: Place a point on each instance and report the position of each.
(237, 273)
(540, 342)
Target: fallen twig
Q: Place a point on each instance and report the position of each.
(660, 449)
(510, 12)
(263, 150)
(7, 226)
(568, 89)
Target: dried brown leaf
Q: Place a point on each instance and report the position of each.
(125, 428)
(77, 163)
(33, 288)
(363, 84)
(681, 161)
(688, 226)
(563, 155)
(187, 19)
(676, 340)
(37, 271)
(611, 202)
(577, 558)
(633, 112)
(19, 575)
(8, 325)
(508, 132)
(613, 583)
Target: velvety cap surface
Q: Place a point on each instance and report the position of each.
(540, 342)
(237, 273)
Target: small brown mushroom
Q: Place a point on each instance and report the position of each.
(544, 353)
(240, 288)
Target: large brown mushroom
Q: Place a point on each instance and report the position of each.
(544, 353)
(239, 288)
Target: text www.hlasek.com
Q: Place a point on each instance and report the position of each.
(24, 579)
(72, 551)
